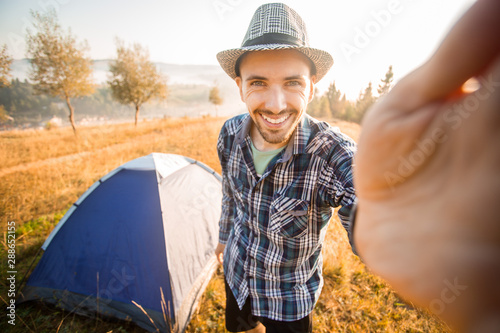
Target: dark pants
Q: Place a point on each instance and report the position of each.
(243, 320)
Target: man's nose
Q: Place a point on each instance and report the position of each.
(276, 100)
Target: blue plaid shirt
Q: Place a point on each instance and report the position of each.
(274, 226)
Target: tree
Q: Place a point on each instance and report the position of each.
(363, 103)
(386, 83)
(5, 62)
(134, 78)
(323, 108)
(319, 106)
(59, 66)
(215, 98)
(313, 106)
(335, 100)
(350, 112)
(4, 117)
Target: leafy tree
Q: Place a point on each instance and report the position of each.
(22, 104)
(5, 61)
(215, 98)
(134, 78)
(59, 66)
(386, 83)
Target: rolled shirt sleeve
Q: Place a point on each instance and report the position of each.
(340, 184)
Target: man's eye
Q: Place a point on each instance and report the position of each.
(294, 83)
(257, 83)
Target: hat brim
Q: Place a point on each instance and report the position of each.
(322, 60)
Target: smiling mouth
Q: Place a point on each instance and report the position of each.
(276, 121)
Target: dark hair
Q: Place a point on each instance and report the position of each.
(237, 64)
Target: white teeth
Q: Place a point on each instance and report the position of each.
(275, 121)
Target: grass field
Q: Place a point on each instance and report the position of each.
(43, 172)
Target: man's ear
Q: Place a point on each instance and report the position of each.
(312, 88)
(239, 83)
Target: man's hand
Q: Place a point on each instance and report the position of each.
(427, 177)
(219, 252)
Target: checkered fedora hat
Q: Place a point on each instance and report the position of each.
(275, 26)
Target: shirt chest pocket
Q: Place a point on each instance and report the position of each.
(289, 217)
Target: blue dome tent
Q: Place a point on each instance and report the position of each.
(138, 245)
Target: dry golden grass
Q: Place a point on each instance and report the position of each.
(47, 182)
(22, 147)
(44, 172)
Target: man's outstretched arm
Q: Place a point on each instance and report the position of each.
(427, 178)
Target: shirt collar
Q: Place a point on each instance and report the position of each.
(297, 143)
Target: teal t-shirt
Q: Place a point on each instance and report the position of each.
(262, 158)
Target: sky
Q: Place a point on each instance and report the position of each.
(364, 37)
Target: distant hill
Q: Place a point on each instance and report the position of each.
(177, 74)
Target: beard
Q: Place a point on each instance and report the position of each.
(277, 136)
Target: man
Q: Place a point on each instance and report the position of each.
(283, 171)
(427, 178)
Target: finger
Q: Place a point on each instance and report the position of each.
(469, 48)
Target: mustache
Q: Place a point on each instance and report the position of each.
(282, 112)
